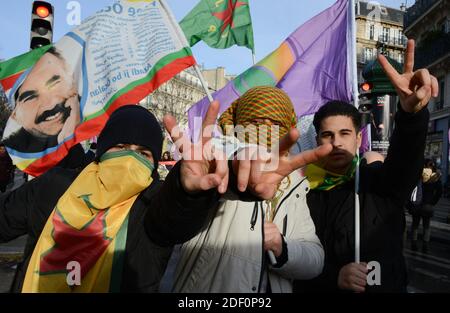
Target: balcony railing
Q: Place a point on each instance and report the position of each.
(393, 41)
(430, 53)
(417, 10)
(364, 59)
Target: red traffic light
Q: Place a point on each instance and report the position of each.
(41, 30)
(42, 11)
(366, 86)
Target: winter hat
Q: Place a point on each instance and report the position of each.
(131, 124)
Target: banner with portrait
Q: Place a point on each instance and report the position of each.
(63, 94)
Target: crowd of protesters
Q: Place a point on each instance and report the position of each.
(243, 226)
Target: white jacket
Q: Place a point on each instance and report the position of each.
(227, 255)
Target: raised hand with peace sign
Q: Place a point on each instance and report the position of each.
(415, 88)
(263, 174)
(203, 167)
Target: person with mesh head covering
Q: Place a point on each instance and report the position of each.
(257, 111)
(232, 253)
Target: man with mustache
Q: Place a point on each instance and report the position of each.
(383, 187)
(47, 106)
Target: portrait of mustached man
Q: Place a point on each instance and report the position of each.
(46, 106)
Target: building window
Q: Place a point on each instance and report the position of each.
(444, 25)
(400, 58)
(368, 55)
(386, 32)
(400, 39)
(372, 32)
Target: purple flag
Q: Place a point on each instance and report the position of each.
(311, 65)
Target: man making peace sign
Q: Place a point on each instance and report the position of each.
(383, 187)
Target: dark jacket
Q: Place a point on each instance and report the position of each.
(6, 169)
(384, 188)
(163, 215)
(75, 158)
(431, 192)
(23, 141)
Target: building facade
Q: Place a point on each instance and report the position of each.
(217, 78)
(175, 97)
(379, 29)
(428, 23)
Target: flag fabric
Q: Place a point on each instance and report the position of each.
(63, 94)
(88, 228)
(219, 23)
(312, 66)
(322, 179)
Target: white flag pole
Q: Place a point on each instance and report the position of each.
(354, 76)
(270, 253)
(203, 82)
(182, 37)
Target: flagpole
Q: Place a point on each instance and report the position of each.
(354, 76)
(203, 82)
(183, 39)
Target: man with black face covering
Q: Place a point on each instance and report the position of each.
(114, 221)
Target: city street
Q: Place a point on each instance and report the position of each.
(430, 272)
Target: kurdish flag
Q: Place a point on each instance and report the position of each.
(219, 23)
(312, 66)
(63, 94)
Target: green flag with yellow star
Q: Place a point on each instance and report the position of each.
(219, 23)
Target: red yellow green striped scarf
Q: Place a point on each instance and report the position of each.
(322, 179)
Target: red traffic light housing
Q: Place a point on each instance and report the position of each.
(42, 9)
(366, 92)
(41, 24)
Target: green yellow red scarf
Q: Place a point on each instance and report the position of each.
(321, 179)
(87, 230)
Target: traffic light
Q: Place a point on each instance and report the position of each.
(365, 101)
(41, 24)
(366, 87)
(365, 90)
